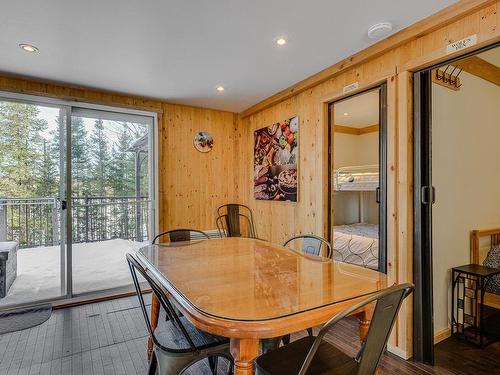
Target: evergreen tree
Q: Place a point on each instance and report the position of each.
(99, 150)
(80, 158)
(47, 176)
(21, 148)
(122, 167)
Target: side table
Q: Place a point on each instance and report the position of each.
(469, 284)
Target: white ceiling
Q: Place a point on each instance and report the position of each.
(180, 50)
(362, 110)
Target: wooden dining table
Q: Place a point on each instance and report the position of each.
(249, 290)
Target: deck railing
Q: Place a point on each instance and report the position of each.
(36, 222)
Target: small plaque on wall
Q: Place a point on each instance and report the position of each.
(203, 142)
(461, 44)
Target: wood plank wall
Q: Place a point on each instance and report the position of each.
(278, 220)
(191, 184)
(194, 184)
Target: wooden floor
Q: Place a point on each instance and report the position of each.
(110, 338)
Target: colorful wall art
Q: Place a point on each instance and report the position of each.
(276, 159)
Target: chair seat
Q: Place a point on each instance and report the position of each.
(172, 339)
(289, 358)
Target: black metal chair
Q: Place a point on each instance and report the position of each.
(313, 355)
(177, 343)
(311, 244)
(235, 220)
(176, 235)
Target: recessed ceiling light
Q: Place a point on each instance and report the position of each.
(28, 47)
(281, 42)
(346, 114)
(379, 30)
(220, 88)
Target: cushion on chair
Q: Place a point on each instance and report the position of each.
(171, 337)
(493, 260)
(289, 359)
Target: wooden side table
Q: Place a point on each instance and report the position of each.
(469, 284)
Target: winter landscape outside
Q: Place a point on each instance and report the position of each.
(109, 197)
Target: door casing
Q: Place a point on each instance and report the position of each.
(382, 88)
(423, 198)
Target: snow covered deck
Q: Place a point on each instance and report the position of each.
(96, 266)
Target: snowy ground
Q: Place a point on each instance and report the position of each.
(96, 266)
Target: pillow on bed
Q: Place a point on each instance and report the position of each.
(493, 260)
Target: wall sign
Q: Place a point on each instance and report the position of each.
(461, 44)
(351, 87)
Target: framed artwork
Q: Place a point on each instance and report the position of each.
(276, 149)
(203, 142)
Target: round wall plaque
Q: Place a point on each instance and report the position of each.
(203, 142)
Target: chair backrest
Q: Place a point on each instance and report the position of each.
(177, 235)
(388, 303)
(311, 244)
(171, 313)
(235, 220)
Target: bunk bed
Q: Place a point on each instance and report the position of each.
(357, 243)
(357, 178)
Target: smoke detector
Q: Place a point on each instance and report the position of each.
(379, 30)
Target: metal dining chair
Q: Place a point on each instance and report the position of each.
(311, 245)
(313, 355)
(178, 344)
(176, 235)
(235, 220)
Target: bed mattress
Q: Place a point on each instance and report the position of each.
(356, 244)
(360, 181)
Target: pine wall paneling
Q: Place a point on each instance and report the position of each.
(308, 99)
(192, 185)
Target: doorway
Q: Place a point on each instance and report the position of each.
(77, 192)
(357, 179)
(455, 166)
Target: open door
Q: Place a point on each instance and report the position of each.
(455, 144)
(423, 340)
(357, 179)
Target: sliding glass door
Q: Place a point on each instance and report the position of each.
(32, 197)
(76, 194)
(110, 193)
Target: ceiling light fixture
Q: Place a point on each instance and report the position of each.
(346, 114)
(281, 42)
(28, 47)
(379, 30)
(220, 88)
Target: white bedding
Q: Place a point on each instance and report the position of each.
(356, 244)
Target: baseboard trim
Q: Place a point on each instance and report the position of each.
(399, 352)
(441, 335)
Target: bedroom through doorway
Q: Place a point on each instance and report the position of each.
(358, 179)
(457, 206)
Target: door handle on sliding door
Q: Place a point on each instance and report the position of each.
(63, 205)
(377, 194)
(428, 195)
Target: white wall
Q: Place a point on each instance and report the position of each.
(466, 174)
(349, 150)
